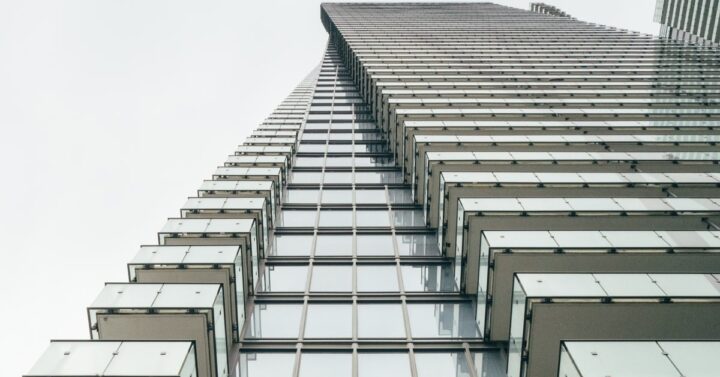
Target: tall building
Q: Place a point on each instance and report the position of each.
(694, 21)
(459, 189)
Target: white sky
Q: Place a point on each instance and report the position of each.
(113, 112)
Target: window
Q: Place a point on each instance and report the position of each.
(372, 218)
(297, 218)
(417, 245)
(329, 321)
(325, 365)
(376, 278)
(337, 178)
(331, 245)
(370, 196)
(305, 177)
(284, 278)
(292, 245)
(380, 321)
(331, 279)
(336, 218)
(442, 364)
(275, 321)
(375, 245)
(302, 196)
(268, 364)
(385, 364)
(337, 196)
(409, 218)
(428, 278)
(442, 320)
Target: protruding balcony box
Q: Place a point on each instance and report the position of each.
(639, 358)
(226, 265)
(97, 358)
(248, 161)
(602, 214)
(259, 150)
(272, 141)
(550, 308)
(232, 208)
(488, 271)
(276, 175)
(441, 202)
(469, 127)
(137, 311)
(427, 174)
(273, 133)
(671, 142)
(242, 189)
(213, 232)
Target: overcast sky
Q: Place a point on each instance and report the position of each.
(113, 112)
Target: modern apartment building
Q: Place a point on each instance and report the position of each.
(458, 189)
(694, 21)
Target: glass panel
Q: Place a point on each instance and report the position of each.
(306, 162)
(380, 321)
(340, 148)
(417, 245)
(302, 196)
(441, 364)
(336, 218)
(291, 245)
(376, 278)
(297, 218)
(284, 278)
(275, 321)
(409, 218)
(337, 196)
(384, 364)
(381, 244)
(372, 218)
(442, 320)
(329, 321)
(267, 364)
(325, 365)
(338, 177)
(305, 177)
(489, 364)
(400, 196)
(326, 245)
(339, 162)
(428, 278)
(370, 196)
(331, 279)
(311, 148)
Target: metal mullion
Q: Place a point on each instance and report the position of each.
(470, 361)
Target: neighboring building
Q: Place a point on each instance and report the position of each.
(458, 189)
(694, 21)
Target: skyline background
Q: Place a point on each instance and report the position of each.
(113, 112)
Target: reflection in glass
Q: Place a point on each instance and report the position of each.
(386, 364)
(369, 218)
(336, 218)
(380, 321)
(409, 217)
(302, 196)
(275, 321)
(489, 364)
(292, 245)
(331, 279)
(428, 278)
(442, 320)
(337, 196)
(441, 364)
(325, 364)
(284, 279)
(297, 218)
(417, 245)
(329, 321)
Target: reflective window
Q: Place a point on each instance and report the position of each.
(302, 196)
(311, 148)
(400, 196)
(292, 245)
(337, 196)
(331, 279)
(442, 364)
(305, 177)
(325, 365)
(489, 364)
(340, 148)
(442, 320)
(380, 321)
(339, 162)
(386, 364)
(408, 218)
(417, 245)
(376, 278)
(336, 218)
(284, 278)
(370, 196)
(428, 278)
(309, 162)
(380, 244)
(369, 218)
(328, 245)
(297, 218)
(275, 321)
(337, 177)
(267, 364)
(329, 321)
